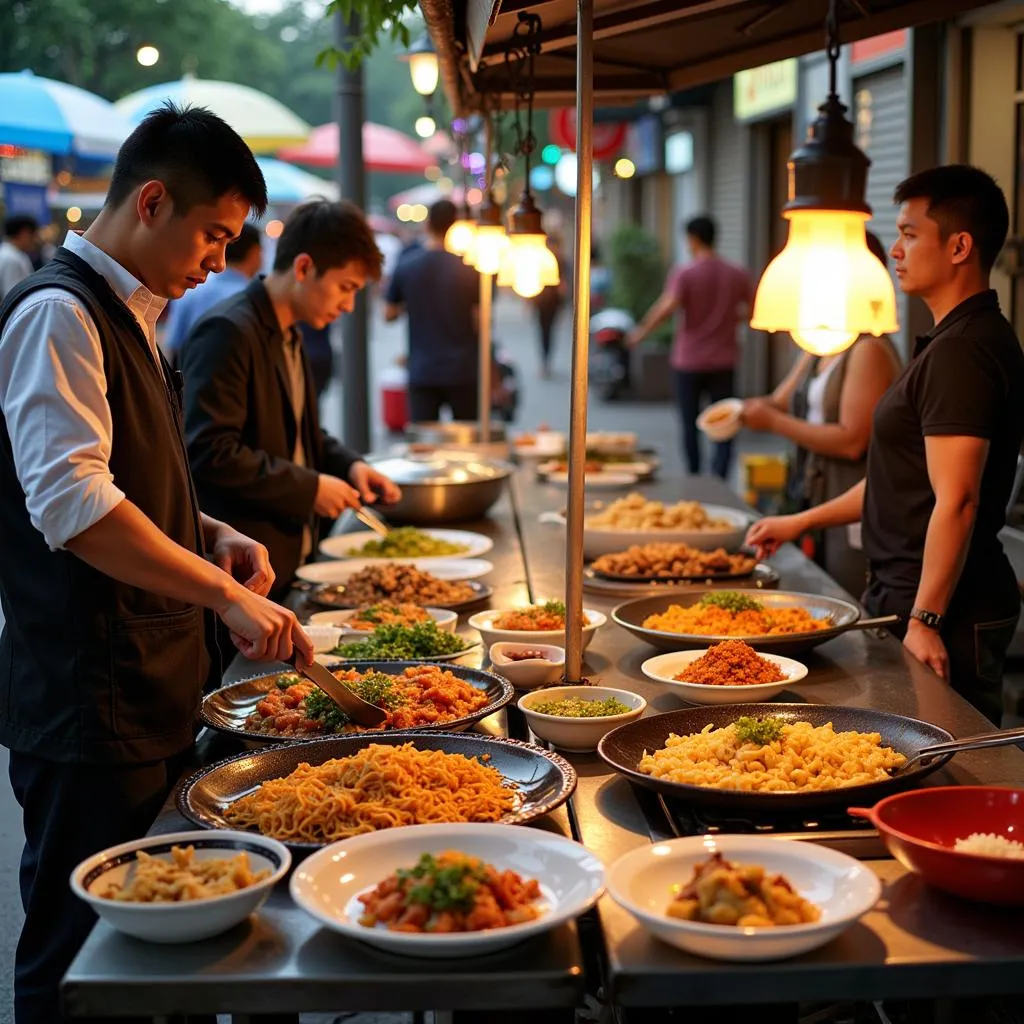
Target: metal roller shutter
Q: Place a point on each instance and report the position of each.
(880, 109)
(727, 178)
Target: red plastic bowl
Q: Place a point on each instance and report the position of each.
(920, 827)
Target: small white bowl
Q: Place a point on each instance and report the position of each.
(664, 668)
(728, 426)
(327, 884)
(484, 623)
(643, 880)
(445, 619)
(578, 735)
(533, 672)
(323, 636)
(187, 921)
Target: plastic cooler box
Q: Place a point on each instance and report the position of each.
(394, 398)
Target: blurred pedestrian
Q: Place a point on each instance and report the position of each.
(711, 297)
(547, 305)
(440, 296)
(21, 240)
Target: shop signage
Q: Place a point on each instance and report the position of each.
(644, 144)
(679, 153)
(607, 139)
(25, 166)
(760, 92)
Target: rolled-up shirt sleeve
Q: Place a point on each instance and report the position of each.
(53, 398)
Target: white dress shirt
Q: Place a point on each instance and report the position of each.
(53, 396)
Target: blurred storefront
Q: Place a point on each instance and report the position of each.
(24, 177)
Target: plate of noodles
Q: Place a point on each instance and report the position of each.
(768, 620)
(781, 757)
(417, 695)
(315, 792)
(448, 890)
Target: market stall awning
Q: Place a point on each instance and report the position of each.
(288, 184)
(646, 47)
(427, 194)
(384, 149)
(264, 123)
(40, 113)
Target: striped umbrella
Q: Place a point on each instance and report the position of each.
(264, 123)
(39, 113)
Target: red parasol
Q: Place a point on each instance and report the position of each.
(384, 149)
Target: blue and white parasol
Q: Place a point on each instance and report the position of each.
(40, 113)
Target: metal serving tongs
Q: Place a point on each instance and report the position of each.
(1001, 738)
(372, 520)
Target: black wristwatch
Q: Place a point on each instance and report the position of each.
(930, 619)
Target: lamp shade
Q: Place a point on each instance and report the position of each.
(459, 237)
(423, 69)
(488, 247)
(528, 265)
(825, 287)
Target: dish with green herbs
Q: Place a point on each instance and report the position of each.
(423, 641)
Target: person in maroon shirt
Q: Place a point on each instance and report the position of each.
(711, 297)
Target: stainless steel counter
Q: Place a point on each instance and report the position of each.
(916, 943)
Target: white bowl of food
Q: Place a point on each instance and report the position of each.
(721, 421)
(732, 665)
(339, 571)
(362, 621)
(533, 624)
(829, 892)
(615, 526)
(575, 718)
(323, 636)
(527, 666)
(181, 887)
(556, 881)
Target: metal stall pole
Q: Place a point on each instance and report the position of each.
(581, 340)
(349, 113)
(486, 295)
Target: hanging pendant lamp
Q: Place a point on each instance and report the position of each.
(528, 265)
(826, 288)
(459, 237)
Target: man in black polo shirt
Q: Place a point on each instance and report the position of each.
(944, 446)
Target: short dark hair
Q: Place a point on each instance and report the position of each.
(877, 248)
(703, 229)
(331, 234)
(18, 222)
(962, 198)
(441, 216)
(247, 240)
(198, 156)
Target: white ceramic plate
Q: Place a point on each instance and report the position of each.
(664, 667)
(341, 570)
(597, 481)
(445, 619)
(327, 884)
(643, 883)
(484, 623)
(188, 921)
(599, 540)
(345, 545)
(578, 735)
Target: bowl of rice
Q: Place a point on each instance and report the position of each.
(966, 840)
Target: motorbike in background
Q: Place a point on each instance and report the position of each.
(609, 354)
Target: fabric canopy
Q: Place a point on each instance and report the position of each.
(264, 123)
(39, 113)
(384, 149)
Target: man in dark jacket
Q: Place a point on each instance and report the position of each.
(258, 455)
(108, 570)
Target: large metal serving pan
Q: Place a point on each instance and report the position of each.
(843, 616)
